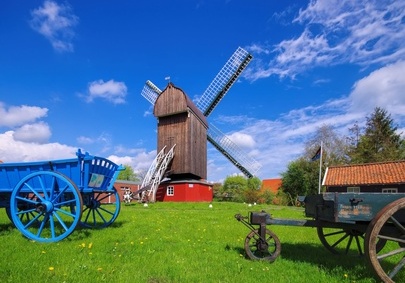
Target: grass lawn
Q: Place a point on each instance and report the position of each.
(175, 242)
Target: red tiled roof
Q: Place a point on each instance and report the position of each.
(271, 185)
(392, 172)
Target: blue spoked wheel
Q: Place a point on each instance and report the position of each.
(46, 206)
(100, 208)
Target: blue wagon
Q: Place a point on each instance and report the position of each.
(46, 200)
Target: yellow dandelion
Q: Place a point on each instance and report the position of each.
(90, 245)
(83, 245)
(346, 276)
(141, 243)
(132, 243)
(51, 268)
(99, 269)
(43, 252)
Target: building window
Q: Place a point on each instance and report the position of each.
(390, 190)
(170, 191)
(353, 189)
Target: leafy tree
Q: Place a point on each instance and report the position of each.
(217, 187)
(380, 141)
(127, 174)
(301, 178)
(234, 186)
(252, 191)
(254, 183)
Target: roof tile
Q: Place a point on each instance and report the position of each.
(392, 172)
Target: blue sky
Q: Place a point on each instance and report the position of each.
(71, 74)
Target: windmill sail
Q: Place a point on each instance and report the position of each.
(223, 81)
(232, 152)
(150, 92)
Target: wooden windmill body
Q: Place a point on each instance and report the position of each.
(182, 124)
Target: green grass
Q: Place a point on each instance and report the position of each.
(175, 242)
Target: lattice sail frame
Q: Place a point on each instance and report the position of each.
(223, 81)
(232, 152)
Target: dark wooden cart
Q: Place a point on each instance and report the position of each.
(370, 224)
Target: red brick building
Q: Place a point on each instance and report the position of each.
(121, 186)
(272, 185)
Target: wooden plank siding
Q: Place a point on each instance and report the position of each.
(181, 123)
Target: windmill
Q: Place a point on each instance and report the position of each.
(220, 85)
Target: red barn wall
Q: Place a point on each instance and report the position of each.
(184, 191)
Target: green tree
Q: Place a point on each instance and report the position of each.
(254, 183)
(127, 174)
(380, 141)
(234, 187)
(301, 178)
(252, 191)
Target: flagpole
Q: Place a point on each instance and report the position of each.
(320, 170)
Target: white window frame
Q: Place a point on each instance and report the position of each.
(389, 190)
(353, 189)
(170, 191)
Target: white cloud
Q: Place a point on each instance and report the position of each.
(140, 162)
(33, 133)
(19, 115)
(111, 90)
(337, 32)
(85, 140)
(55, 22)
(242, 140)
(382, 88)
(12, 150)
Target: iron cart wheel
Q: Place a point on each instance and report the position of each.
(387, 225)
(345, 241)
(40, 206)
(341, 240)
(262, 249)
(101, 208)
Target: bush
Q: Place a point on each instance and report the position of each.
(266, 197)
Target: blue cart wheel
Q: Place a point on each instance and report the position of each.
(41, 206)
(100, 208)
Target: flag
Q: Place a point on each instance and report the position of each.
(317, 154)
